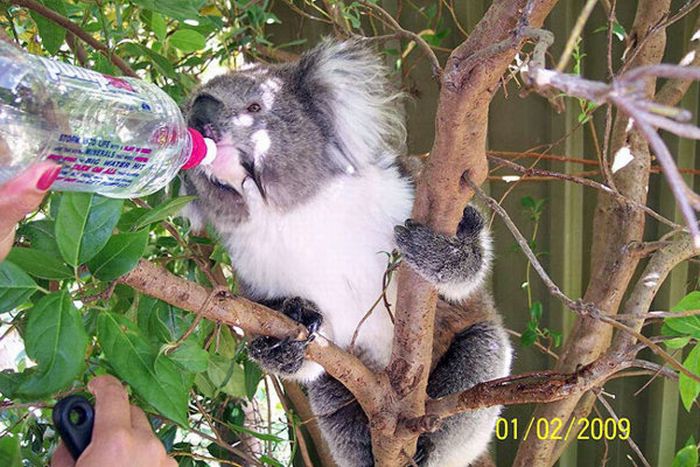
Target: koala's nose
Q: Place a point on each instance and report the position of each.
(204, 113)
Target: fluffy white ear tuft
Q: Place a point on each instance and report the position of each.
(352, 87)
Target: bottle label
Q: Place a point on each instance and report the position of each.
(90, 163)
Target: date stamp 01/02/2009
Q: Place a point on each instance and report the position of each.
(556, 429)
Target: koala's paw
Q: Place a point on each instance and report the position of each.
(286, 356)
(440, 258)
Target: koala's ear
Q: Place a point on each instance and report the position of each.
(348, 90)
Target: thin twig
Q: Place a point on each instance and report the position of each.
(75, 29)
(630, 441)
(575, 34)
(420, 42)
(674, 178)
(589, 183)
(577, 306)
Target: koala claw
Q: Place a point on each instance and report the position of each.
(410, 223)
(286, 356)
(471, 224)
(304, 312)
(279, 343)
(423, 450)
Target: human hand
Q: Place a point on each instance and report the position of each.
(121, 436)
(20, 196)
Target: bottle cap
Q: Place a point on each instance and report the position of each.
(203, 150)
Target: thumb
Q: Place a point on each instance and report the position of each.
(61, 457)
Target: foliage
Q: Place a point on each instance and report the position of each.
(533, 210)
(57, 286)
(685, 331)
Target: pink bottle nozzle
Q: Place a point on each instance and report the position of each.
(200, 150)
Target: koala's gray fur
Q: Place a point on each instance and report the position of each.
(305, 194)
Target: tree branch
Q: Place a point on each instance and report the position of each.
(547, 387)
(673, 90)
(659, 267)
(73, 28)
(526, 172)
(627, 94)
(459, 147)
(256, 319)
(614, 229)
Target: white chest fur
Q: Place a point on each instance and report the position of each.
(331, 250)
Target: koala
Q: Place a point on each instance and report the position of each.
(307, 195)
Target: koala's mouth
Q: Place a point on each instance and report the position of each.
(247, 164)
(212, 132)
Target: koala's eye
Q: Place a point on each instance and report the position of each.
(254, 108)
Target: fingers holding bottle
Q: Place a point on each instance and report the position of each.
(21, 195)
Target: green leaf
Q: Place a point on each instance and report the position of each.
(556, 338)
(151, 317)
(227, 376)
(677, 342)
(689, 302)
(129, 218)
(689, 388)
(9, 382)
(220, 255)
(162, 212)
(16, 287)
(686, 457)
(536, 312)
(52, 35)
(39, 263)
(227, 344)
(256, 434)
(161, 63)
(618, 31)
(158, 26)
(528, 202)
(177, 10)
(134, 360)
(188, 40)
(119, 256)
(688, 325)
(84, 224)
(253, 374)
(55, 338)
(528, 337)
(204, 385)
(10, 454)
(191, 356)
(42, 235)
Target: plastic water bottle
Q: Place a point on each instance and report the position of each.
(119, 137)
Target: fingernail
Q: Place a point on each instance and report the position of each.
(47, 178)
